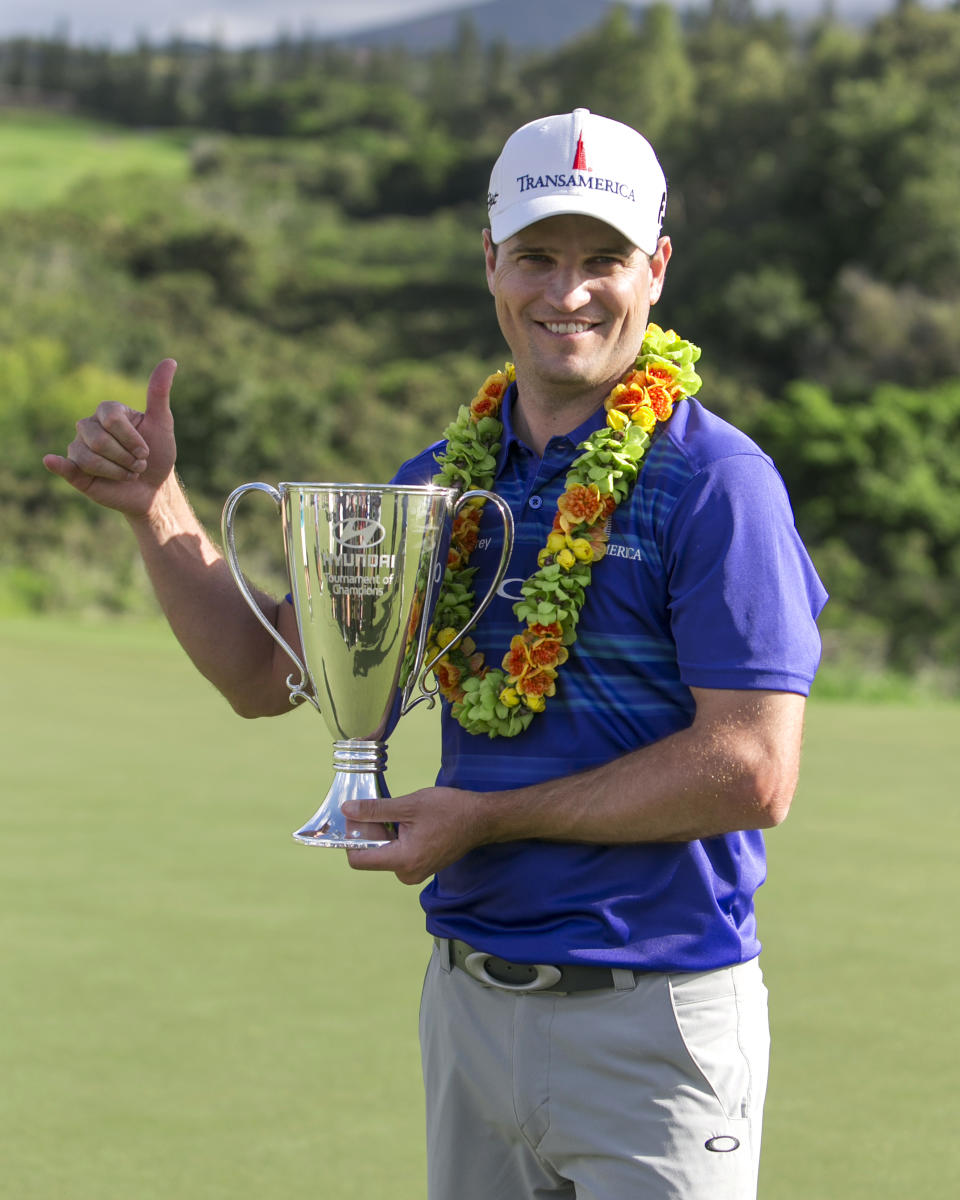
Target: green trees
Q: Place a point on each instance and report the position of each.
(318, 275)
(876, 487)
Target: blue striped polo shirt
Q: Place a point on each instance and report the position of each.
(705, 584)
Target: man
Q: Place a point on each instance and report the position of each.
(594, 1019)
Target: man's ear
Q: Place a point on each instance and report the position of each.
(489, 257)
(658, 267)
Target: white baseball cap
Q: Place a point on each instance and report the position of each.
(578, 163)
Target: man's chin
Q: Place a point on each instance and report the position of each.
(572, 375)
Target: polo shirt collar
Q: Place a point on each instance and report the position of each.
(565, 443)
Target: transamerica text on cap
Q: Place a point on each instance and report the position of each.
(597, 184)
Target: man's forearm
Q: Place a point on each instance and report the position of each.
(726, 772)
(734, 768)
(205, 609)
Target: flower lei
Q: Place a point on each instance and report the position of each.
(503, 702)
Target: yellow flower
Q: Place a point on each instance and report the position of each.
(545, 556)
(645, 417)
(556, 542)
(617, 420)
(566, 559)
(445, 637)
(509, 697)
(535, 703)
(510, 371)
(582, 549)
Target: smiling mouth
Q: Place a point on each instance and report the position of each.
(567, 326)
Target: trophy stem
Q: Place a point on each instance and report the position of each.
(358, 767)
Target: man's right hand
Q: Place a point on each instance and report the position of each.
(121, 458)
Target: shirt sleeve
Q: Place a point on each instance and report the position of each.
(743, 595)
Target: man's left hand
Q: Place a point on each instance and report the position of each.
(435, 827)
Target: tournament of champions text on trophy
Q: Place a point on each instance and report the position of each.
(365, 565)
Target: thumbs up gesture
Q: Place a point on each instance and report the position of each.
(120, 457)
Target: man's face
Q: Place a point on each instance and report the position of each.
(573, 297)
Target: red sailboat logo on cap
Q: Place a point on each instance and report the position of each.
(580, 158)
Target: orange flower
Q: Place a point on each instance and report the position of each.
(657, 373)
(530, 654)
(484, 406)
(413, 625)
(579, 506)
(486, 403)
(547, 652)
(625, 395)
(448, 673)
(660, 400)
(538, 683)
(634, 379)
(654, 388)
(466, 525)
(516, 661)
(552, 630)
(448, 676)
(455, 559)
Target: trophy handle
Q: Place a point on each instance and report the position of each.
(506, 516)
(298, 691)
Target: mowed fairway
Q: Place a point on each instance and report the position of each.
(195, 1006)
(43, 155)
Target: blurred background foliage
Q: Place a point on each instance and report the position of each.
(299, 226)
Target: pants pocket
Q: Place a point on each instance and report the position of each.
(710, 1020)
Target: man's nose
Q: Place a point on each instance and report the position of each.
(567, 290)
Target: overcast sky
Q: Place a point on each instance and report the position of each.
(239, 22)
(235, 21)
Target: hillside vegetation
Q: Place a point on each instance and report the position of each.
(299, 227)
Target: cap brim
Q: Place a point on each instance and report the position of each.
(538, 208)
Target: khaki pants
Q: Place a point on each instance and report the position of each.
(653, 1091)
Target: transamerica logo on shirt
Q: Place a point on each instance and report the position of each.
(630, 552)
(530, 183)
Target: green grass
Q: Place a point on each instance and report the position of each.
(196, 1006)
(862, 955)
(44, 155)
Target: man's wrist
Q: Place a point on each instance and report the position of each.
(168, 514)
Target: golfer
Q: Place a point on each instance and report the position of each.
(625, 721)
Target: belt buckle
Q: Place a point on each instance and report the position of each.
(547, 975)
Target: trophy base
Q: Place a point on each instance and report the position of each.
(359, 776)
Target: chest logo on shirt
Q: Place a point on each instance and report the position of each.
(633, 553)
(509, 589)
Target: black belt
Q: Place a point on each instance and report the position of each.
(497, 972)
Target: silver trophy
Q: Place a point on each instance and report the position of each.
(365, 566)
